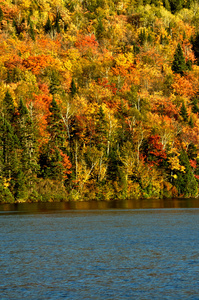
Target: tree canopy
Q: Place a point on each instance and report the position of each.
(99, 99)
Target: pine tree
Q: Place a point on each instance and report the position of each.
(53, 153)
(149, 38)
(142, 37)
(8, 107)
(189, 65)
(99, 29)
(28, 144)
(56, 25)
(183, 112)
(195, 43)
(195, 108)
(191, 123)
(31, 32)
(54, 82)
(176, 5)
(185, 181)
(48, 26)
(113, 166)
(101, 129)
(9, 151)
(179, 64)
(73, 88)
(167, 5)
(1, 14)
(55, 125)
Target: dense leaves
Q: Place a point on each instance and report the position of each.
(98, 99)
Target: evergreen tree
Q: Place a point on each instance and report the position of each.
(191, 123)
(50, 162)
(183, 112)
(28, 144)
(185, 181)
(189, 65)
(176, 5)
(195, 108)
(31, 32)
(8, 107)
(52, 154)
(142, 36)
(57, 19)
(101, 130)
(166, 4)
(9, 152)
(99, 29)
(149, 38)
(114, 164)
(179, 65)
(54, 82)
(55, 125)
(1, 14)
(48, 26)
(73, 88)
(195, 43)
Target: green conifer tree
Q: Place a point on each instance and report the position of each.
(185, 181)
(149, 38)
(1, 14)
(55, 125)
(176, 5)
(142, 36)
(9, 152)
(73, 88)
(195, 108)
(57, 19)
(54, 82)
(191, 123)
(195, 43)
(99, 29)
(183, 112)
(50, 157)
(101, 130)
(8, 107)
(114, 164)
(48, 26)
(28, 143)
(179, 64)
(189, 65)
(166, 4)
(31, 32)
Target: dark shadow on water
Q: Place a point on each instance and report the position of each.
(99, 205)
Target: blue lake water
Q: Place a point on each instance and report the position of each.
(99, 251)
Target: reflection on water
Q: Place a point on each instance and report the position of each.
(94, 250)
(90, 205)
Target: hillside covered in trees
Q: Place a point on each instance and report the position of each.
(99, 99)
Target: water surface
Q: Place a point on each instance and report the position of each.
(61, 252)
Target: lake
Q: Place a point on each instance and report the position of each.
(146, 249)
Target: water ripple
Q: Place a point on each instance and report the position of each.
(100, 255)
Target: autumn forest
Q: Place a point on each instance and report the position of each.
(99, 99)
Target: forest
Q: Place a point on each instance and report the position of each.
(99, 99)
